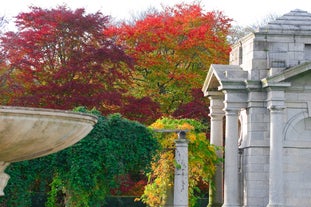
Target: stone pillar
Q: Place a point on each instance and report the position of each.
(3, 177)
(276, 106)
(276, 157)
(216, 138)
(181, 171)
(235, 98)
(231, 180)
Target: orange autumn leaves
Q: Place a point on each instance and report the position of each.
(62, 58)
(172, 50)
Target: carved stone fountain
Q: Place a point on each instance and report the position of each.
(27, 133)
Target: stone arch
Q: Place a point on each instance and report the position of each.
(296, 161)
(297, 131)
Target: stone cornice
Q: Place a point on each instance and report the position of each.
(288, 73)
(252, 85)
(232, 86)
(275, 85)
(214, 94)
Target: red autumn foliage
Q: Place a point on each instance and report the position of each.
(131, 185)
(143, 110)
(59, 58)
(173, 50)
(197, 109)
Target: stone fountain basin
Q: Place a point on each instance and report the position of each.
(27, 133)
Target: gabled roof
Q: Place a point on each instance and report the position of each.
(223, 77)
(287, 74)
(295, 22)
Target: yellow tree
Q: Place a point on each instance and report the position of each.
(202, 161)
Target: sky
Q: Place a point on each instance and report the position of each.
(243, 12)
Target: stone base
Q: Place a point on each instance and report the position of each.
(275, 205)
(215, 205)
(231, 205)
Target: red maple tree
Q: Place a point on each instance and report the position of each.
(59, 58)
(143, 110)
(173, 50)
(197, 109)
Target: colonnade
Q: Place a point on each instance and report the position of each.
(225, 106)
(227, 189)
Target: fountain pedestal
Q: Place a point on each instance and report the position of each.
(4, 178)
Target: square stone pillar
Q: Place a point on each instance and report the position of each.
(276, 105)
(276, 185)
(235, 100)
(216, 138)
(181, 183)
(231, 181)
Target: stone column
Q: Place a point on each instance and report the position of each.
(276, 107)
(235, 98)
(181, 171)
(276, 157)
(216, 138)
(231, 181)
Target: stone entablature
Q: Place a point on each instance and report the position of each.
(265, 96)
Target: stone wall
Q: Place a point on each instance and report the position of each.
(297, 179)
(255, 177)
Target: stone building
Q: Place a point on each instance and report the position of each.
(262, 100)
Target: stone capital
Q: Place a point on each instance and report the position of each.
(276, 108)
(235, 101)
(212, 95)
(217, 117)
(232, 111)
(216, 106)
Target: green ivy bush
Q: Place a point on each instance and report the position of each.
(83, 174)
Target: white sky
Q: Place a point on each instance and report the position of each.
(244, 12)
